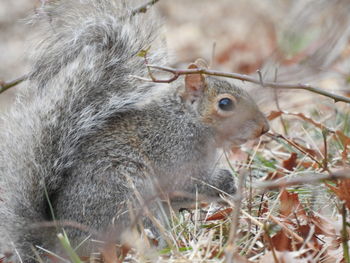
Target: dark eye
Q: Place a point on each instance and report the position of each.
(226, 104)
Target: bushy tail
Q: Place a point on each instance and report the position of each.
(80, 77)
(101, 36)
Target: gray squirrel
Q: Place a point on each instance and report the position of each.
(85, 133)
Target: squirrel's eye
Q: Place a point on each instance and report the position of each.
(226, 104)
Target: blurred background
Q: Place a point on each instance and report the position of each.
(297, 41)
(289, 41)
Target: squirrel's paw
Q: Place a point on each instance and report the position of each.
(225, 182)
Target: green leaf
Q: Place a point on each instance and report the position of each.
(68, 248)
(143, 53)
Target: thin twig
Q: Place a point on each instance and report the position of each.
(273, 251)
(230, 249)
(345, 236)
(261, 81)
(178, 72)
(310, 178)
(6, 85)
(143, 8)
(325, 160)
(278, 105)
(248, 248)
(290, 142)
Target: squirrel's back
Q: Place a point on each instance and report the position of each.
(81, 75)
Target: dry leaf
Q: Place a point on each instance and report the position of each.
(342, 190)
(283, 257)
(282, 242)
(222, 214)
(274, 114)
(291, 205)
(291, 163)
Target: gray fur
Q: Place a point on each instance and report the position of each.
(83, 127)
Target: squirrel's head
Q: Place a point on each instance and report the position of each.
(228, 110)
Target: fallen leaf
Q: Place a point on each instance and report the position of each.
(274, 114)
(291, 163)
(282, 242)
(291, 205)
(342, 190)
(220, 215)
(284, 257)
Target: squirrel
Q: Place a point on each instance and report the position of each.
(84, 134)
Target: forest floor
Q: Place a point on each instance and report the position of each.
(294, 196)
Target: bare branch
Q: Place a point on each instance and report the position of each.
(310, 178)
(143, 8)
(6, 85)
(178, 72)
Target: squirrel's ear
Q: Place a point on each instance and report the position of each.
(194, 84)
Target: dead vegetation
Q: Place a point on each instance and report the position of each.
(294, 200)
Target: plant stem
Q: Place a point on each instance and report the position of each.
(345, 236)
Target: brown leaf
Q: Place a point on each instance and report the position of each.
(291, 205)
(322, 227)
(296, 221)
(282, 242)
(309, 164)
(273, 115)
(291, 163)
(283, 257)
(346, 142)
(275, 175)
(112, 254)
(264, 208)
(240, 259)
(109, 253)
(342, 190)
(222, 214)
(343, 138)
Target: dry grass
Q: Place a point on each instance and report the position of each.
(286, 213)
